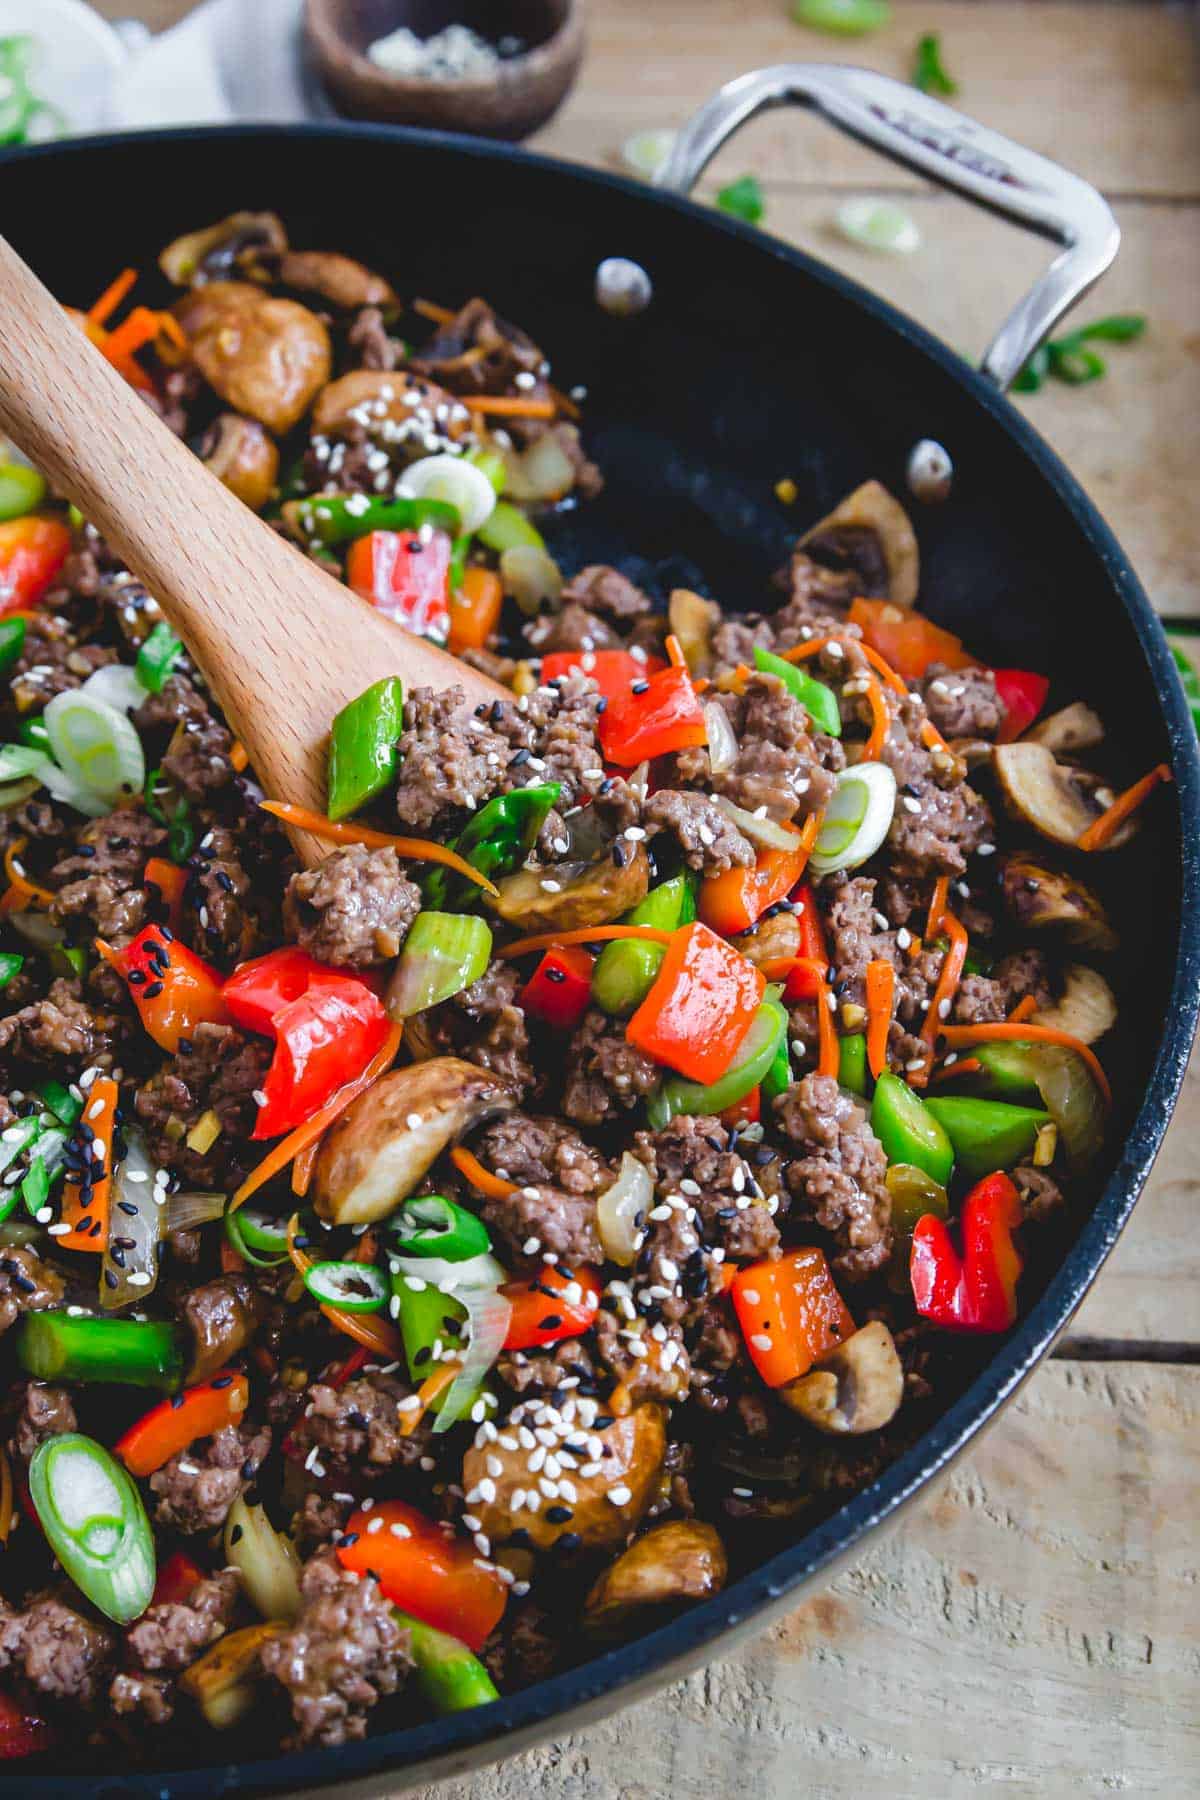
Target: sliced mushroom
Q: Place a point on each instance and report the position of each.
(243, 456)
(871, 533)
(568, 895)
(376, 1153)
(1067, 732)
(1086, 1007)
(218, 249)
(265, 356)
(777, 937)
(682, 1560)
(607, 1505)
(857, 1388)
(1057, 800)
(1048, 899)
(378, 400)
(221, 1682)
(338, 279)
(693, 619)
(223, 1315)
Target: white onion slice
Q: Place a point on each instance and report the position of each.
(646, 152)
(452, 479)
(760, 831)
(530, 576)
(878, 225)
(618, 1207)
(185, 1211)
(117, 685)
(722, 743)
(857, 818)
(37, 929)
(488, 1313)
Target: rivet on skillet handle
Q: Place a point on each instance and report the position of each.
(923, 134)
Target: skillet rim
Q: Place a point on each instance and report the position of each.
(472, 1739)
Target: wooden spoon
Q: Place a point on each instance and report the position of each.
(282, 645)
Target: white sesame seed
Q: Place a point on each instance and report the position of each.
(760, 1341)
(414, 1121)
(620, 1495)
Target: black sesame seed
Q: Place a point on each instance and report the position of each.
(154, 990)
(222, 1381)
(555, 974)
(558, 1515)
(235, 1536)
(128, 1208)
(551, 1322)
(117, 1256)
(620, 854)
(110, 1279)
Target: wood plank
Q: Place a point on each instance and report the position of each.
(1108, 91)
(1029, 1628)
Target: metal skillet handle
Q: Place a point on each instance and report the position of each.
(923, 134)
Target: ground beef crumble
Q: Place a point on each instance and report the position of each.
(354, 908)
(839, 1180)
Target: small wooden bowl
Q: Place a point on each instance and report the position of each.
(522, 93)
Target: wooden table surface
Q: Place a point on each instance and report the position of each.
(1031, 1627)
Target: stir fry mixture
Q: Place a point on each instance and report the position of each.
(420, 1269)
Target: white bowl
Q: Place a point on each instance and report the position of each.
(76, 54)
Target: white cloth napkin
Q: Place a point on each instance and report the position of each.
(230, 59)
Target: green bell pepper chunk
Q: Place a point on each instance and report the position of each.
(12, 642)
(69, 960)
(459, 550)
(448, 1675)
(157, 657)
(913, 1193)
(1005, 1072)
(32, 731)
(21, 491)
(625, 970)
(35, 1187)
(509, 529)
(95, 1523)
(10, 965)
(431, 1225)
(908, 1130)
(181, 836)
(987, 1134)
(426, 1316)
(852, 1063)
(497, 841)
(758, 1053)
(339, 518)
(819, 701)
(778, 1078)
(55, 1346)
(362, 747)
(443, 953)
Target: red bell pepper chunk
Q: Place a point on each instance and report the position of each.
(560, 987)
(260, 988)
(613, 671)
(791, 1314)
(746, 1111)
(173, 989)
(405, 577)
(702, 1004)
(907, 640)
(172, 1425)
(22, 1731)
(425, 1569)
(666, 715)
(553, 1307)
(804, 983)
(1024, 695)
(977, 1290)
(736, 900)
(175, 1580)
(32, 551)
(323, 1039)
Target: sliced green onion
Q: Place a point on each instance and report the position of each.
(646, 152)
(857, 818)
(31, 731)
(492, 464)
(457, 482)
(12, 642)
(265, 1559)
(21, 490)
(61, 1101)
(625, 970)
(55, 1346)
(450, 1678)
(744, 199)
(929, 72)
(16, 1139)
(819, 701)
(844, 18)
(431, 1225)
(157, 657)
(19, 760)
(878, 225)
(95, 1523)
(95, 746)
(443, 953)
(117, 685)
(10, 965)
(35, 1187)
(350, 1286)
(508, 528)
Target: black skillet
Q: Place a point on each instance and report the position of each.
(752, 361)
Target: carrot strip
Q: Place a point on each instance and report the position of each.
(170, 328)
(828, 1050)
(964, 1037)
(341, 831)
(566, 405)
(303, 1166)
(881, 721)
(427, 1393)
(937, 905)
(89, 1220)
(440, 315)
(171, 881)
(509, 406)
(1101, 831)
(584, 934)
(931, 737)
(674, 650)
(20, 892)
(367, 1329)
(132, 334)
(112, 297)
(881, 994)
(239, 756)
(966, 1065)
(310, 1132)
(472, 1170)
(1024, 1009)
(947, 987)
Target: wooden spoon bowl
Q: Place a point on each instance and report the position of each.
(282, 645)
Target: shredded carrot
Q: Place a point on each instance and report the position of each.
(674, 650)
(881, 720)
(1101, 831)
(303, 1166)
(964, 1037)
(931, 737)
(20, 892)
(170, 328)
(366, 1249)
(368, 1329)
(1024, 1009)
(89, 1219)
(937, 905)
(509, 406)
(472, 1170)
(881, 994)
(171, 881)
(341, 831)
(311, 1131)
(133, 333)
(584, 934)
(112, 297)
(427, 1393)
(566, 405)
(239, 756)
(440, 315)
(944, 992)
(6, 1496)
(967, 1065)
(828, 1049)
